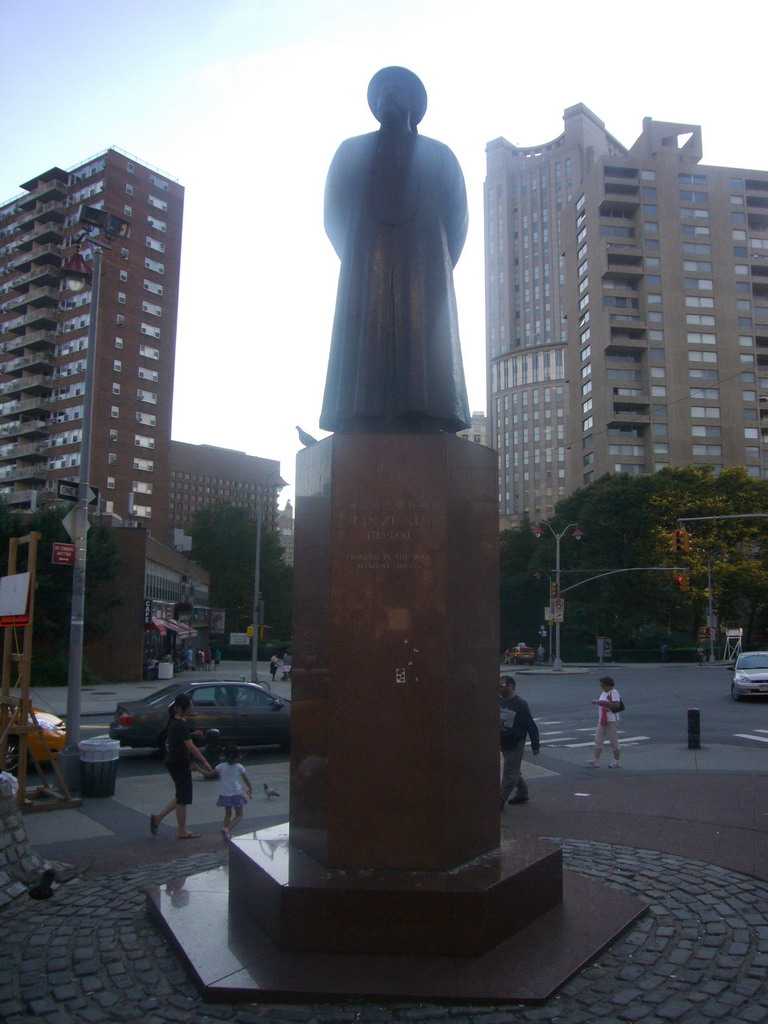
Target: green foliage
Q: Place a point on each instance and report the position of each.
(53, 594)
(224, 543)
(627, 521)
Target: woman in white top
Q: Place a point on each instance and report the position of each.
(607, 723)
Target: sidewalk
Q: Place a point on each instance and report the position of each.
(687, 831)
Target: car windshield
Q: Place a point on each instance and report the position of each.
(752, 661)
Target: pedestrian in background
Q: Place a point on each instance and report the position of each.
(516, 724)
(608, 704)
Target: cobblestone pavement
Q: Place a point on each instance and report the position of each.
(90, 954)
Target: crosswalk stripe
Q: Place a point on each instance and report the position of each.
(748, 736)
(624, 740)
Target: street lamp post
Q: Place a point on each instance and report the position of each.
(77, 274)
(557, 664)
(257, 582)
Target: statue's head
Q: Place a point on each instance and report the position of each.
(401, 87)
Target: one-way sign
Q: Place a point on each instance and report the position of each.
(67, 491)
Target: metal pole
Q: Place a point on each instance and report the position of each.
(710, 616)
(557, 666)
(70, 755)
(256, 589)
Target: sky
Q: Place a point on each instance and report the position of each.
(245, 102)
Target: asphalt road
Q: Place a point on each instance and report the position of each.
(657, 701)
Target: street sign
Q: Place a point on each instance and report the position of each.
(67, 491)
(69, 522)
(558, 609)
(62, 554)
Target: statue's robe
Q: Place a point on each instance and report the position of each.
(396, 213)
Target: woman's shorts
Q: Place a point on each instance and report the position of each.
(181, 774)
(236, 800)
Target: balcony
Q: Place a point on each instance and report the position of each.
(21, 497)
(55, 189)
(44, 319)
(35, 340)
(41, 361)
(44, 213)
(32, 452)
(25, 428)
(40, 274)
(45, 296)
(41, 234)
(39, 404)
(32, 385)
(39, 473)
(50, 254)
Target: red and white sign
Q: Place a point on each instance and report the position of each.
(62, 554)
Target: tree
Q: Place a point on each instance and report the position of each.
(627, 522)
(224, 543)
(53, 595)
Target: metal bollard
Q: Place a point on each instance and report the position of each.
(694, 729)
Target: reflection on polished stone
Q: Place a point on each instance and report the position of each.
(232, 959)
(303, 904)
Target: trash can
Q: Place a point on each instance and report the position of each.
(98, 766)
(165, 670)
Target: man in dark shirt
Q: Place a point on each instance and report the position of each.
(516, 723)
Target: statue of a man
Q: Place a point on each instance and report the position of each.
(396, 213)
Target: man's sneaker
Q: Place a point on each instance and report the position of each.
(592, 762)
(518, 799)
(615, 764)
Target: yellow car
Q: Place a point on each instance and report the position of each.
(523, 655)
(54, 731)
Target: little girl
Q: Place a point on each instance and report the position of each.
(232, 778)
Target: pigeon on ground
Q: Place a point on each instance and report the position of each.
(306, 439)
(43, 889)
(269, 793)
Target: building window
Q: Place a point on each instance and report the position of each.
(127, 211)
(153, 243)
(115, 412)
(149, 329)
(157, 225)
(144, 464)
(146, 374)
(118, 342)
(143, 441)
(159, 204)
(159, 268)
(115, 389)
(117, 366)
(129, 188)
(152, 307)
(148, 352)
(110, 483)
(112, 458)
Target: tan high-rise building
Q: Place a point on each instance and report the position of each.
(44, 338)
(627, 295)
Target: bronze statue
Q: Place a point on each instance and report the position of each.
(396, 213)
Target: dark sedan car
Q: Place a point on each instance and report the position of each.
(244, 713)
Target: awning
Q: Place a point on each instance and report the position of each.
(158, 624)
(179, 628)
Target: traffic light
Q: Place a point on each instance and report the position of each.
(553, 588)
(249, 632)
(679, 540)
(683, 582)
(265, 632)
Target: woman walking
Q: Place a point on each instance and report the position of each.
(179, 749)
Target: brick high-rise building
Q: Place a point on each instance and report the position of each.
(201, 474)
(627, 297)
(44, 333)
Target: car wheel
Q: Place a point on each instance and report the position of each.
(734, 692)
(12, 756)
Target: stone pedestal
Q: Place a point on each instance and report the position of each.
(392, 881)
(394, 719)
